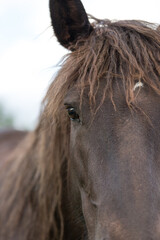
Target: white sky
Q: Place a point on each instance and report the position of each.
(29, 53)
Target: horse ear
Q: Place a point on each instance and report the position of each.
(69, 21)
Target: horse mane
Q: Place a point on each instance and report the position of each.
(32, 180)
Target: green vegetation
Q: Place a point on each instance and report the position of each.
(6, 120)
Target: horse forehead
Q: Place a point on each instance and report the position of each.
(138, 85)
(72, 95)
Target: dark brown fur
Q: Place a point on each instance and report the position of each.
(32, 180)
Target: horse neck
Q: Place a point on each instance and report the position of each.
(28, 191)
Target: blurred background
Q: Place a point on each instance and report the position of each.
(29, 53)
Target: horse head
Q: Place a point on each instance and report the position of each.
(114, 140)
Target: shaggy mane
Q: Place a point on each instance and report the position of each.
(32, 181)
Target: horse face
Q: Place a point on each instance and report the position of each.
(114, 169)
(115, 165)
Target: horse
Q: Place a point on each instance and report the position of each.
(91, 168)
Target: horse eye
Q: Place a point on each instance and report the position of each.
(73, 114)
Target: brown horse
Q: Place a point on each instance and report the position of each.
(91, 169)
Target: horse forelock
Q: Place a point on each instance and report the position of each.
(125, 51)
